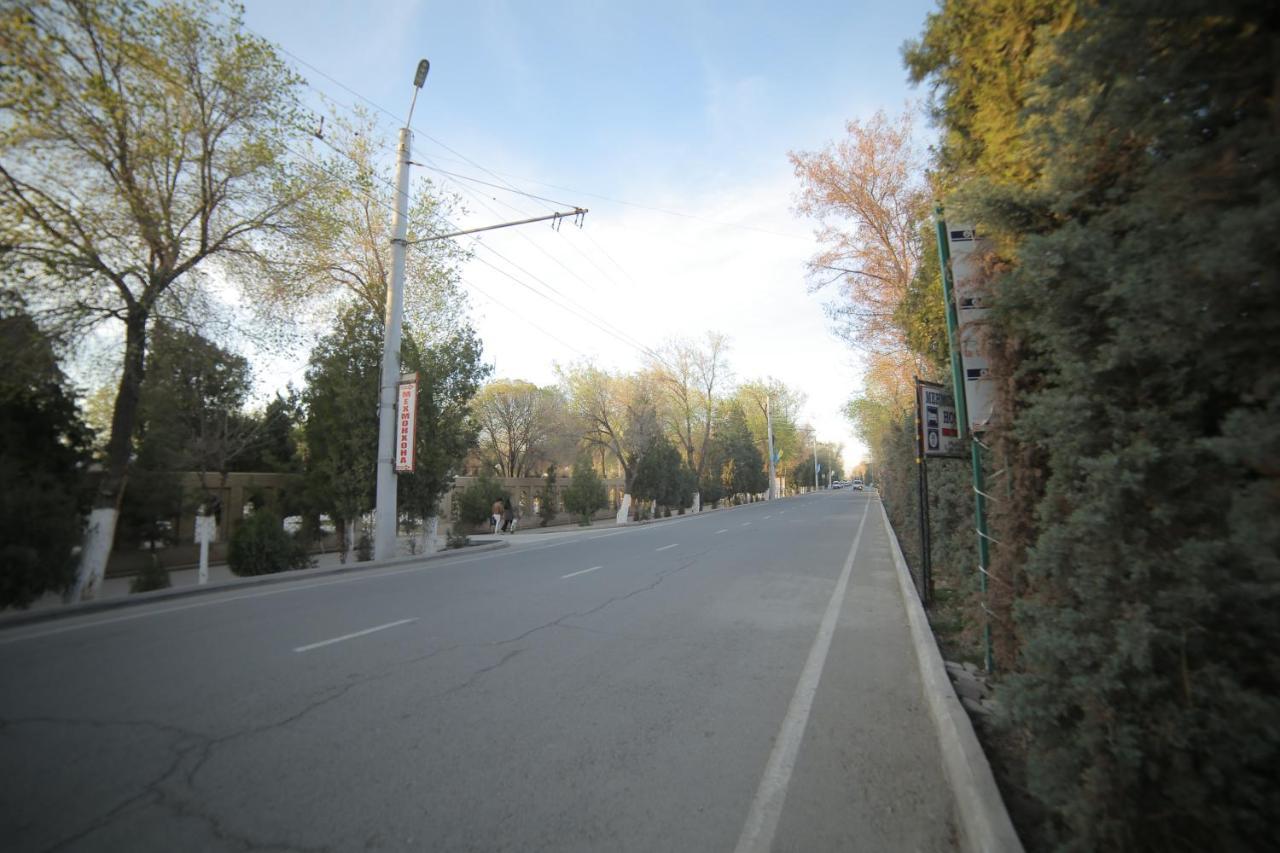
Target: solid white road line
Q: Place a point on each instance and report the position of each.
(583, 572)
(762, 821)
(352, 636)
(665, 547)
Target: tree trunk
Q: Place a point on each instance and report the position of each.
(349, 547)
(430, 534)
(628, 479)
(100, 533)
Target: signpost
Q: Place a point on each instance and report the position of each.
(970, 373)
(937, 434)
(206, 529)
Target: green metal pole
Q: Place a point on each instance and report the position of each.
(962, 415)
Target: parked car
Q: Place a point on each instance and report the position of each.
(857, 484)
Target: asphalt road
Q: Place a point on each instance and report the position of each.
(741, 679)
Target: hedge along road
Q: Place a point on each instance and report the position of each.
(741, 679)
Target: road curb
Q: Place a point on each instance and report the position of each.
(29, 617)
(984, 821)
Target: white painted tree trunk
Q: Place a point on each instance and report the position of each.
(204, 534)
(349, 555)
(624, 511)
(697, 502)
(98, 537)
(431, 534)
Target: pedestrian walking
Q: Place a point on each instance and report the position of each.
(507, 516)
(495, 520)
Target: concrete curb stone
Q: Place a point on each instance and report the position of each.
(28, 617)
(984, 821)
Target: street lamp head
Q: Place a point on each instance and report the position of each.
(421, 76)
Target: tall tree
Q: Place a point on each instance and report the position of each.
(742, 470)
(868, 192)
(341, 429)
(828, 458)
(662, 476)
(342, 246)
(449, 373)
(689, 377)
(342, 416)
(615, 413)
(517, 420)
(762, 400)
(142, 141)
(190, 418)
(191, 411)
(275, 440)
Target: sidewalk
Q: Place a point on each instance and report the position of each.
(117, 589)
(220, 573)
(523, 534)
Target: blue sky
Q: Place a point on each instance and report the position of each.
(688, 107)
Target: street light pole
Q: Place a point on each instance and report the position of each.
(768, 422)
(815, 460)
(384, 540)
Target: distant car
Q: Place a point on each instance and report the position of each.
(838, 484)
(857, 484)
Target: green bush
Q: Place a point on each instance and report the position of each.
(586, 492)
(261, 546)
(457, 540)
(1125, 166)
(152, 576)
(474, 504)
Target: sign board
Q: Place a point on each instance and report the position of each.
(406, 423)
(972, 313)
(939, 430)
(206, 528)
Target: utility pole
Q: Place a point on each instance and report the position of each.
(385, 520)
(768, 422)
(815, 460)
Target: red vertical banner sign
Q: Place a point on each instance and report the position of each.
(406, 422)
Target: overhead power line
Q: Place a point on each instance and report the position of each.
(577, 214)
(579, 311)
(511, 187)
(473, 180)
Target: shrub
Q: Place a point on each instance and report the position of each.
(474, 504)
(586, 492)
(152, 576)
(364, 548)
(260, 546)
(457, 540)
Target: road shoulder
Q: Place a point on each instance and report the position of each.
(984, 821)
